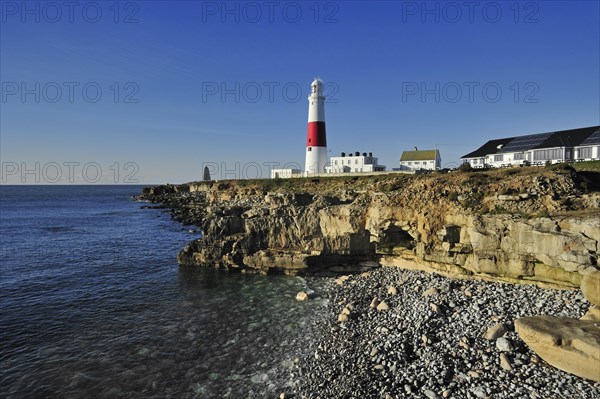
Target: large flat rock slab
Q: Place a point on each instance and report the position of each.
(568, 344)
(590, 286)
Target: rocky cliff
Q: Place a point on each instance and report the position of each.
(526, 224)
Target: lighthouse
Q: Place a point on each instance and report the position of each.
(316, 140)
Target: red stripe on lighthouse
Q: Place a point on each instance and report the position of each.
(316, 135)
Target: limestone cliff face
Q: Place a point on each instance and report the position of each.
(488, 224)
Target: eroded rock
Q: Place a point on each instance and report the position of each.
(568, 344)
(345, 226)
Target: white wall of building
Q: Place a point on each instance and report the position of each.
(417, 165)
(354, 164)
(587, 153)
(285, 173)
(536, 156)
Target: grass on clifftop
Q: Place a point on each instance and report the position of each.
(485, 181)
(580, 166)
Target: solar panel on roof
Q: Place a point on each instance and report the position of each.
(525, 143)
(593, 139)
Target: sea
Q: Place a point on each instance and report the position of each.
(94, 304)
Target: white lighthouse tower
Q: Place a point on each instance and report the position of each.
(316, 140)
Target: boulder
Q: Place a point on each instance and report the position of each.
(301, 296)
(382, 306)
(568, 344)
(495, 332)
(392, 290)
(590, 286)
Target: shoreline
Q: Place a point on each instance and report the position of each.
(443, 259)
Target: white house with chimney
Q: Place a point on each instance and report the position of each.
(421, 160)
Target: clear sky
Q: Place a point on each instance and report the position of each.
(156, 89)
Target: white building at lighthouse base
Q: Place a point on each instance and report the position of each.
(354, 163)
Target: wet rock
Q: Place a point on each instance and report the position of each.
(302, 296)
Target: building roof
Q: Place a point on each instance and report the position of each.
(491, 147)
(594, 139)
(564, 138)
(570, 138)
(420, 155)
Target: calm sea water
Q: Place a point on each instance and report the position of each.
(93, 304)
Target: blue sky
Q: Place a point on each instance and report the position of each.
(393, 69)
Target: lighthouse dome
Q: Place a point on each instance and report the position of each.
(317, 86)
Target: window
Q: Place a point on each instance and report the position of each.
(585, 152)
(309, 148)
(335, 162)
(498, 158)
(546, 155)
(356, 162)
(519, 156)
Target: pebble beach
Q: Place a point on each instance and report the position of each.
(392, 333)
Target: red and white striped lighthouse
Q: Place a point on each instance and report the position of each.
(316, 140)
